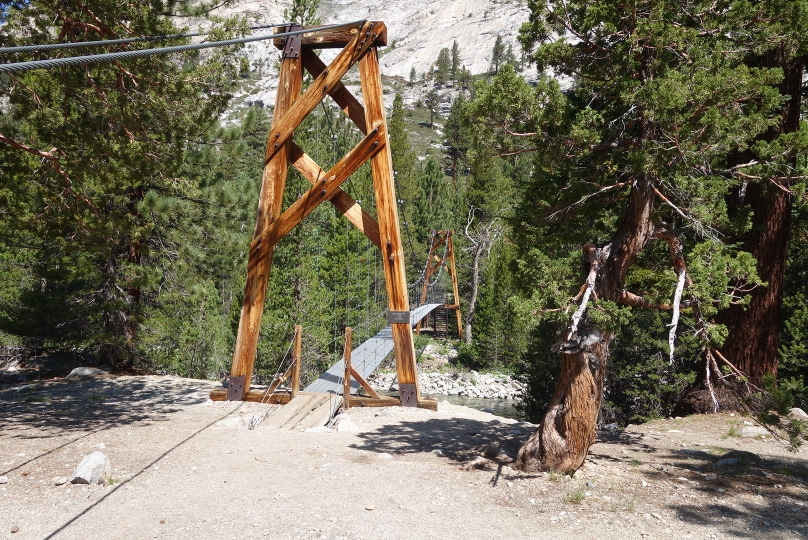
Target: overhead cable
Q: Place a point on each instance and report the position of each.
(104, 42)
(107, 57)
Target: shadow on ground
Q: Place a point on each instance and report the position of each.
(460, 439)
(749, 496)
(59, 407)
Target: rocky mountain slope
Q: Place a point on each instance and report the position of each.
(417, 31)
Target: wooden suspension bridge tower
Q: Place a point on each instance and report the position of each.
(359, 45)
(433, 263)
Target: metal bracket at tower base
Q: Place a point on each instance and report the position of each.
(292, 44)
(408, 395)
(235, 388)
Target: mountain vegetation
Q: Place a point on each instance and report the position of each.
(628, 230)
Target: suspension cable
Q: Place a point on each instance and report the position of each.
(122, 41)
(95, 58)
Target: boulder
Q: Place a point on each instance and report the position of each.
(84, 371)
(750, 432)
(93, 469)
(798, 413)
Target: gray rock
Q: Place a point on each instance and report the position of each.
(727, 462)
(93, 469)
(492, 451)
(86, 372)
(798, 413)
(744, 456)
(750, 432)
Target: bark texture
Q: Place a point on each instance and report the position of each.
(568, 430)
(755, 331)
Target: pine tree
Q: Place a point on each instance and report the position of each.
(635, 123)
(443, 66)
(86, 152)
(498, 55)
(303, 12)
(456, 59)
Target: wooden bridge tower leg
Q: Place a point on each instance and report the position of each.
(273, 183)
(392, 250)
(453, 271)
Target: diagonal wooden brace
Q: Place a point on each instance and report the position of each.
(328, 79)
(341, 200)
(323, 190)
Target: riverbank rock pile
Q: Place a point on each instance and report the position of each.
(472, 384)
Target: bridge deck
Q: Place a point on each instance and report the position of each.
(365, 358)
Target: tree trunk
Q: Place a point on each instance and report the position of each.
(754, 330)
(476, 255)
(568, 430)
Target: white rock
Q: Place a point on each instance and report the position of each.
(384, 455)
(346, 424)
(93, 469)
(60, 480)
(86, 372)
(3, 479)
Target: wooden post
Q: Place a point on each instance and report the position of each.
(389, 233)
(295, 384)
(346, 381)
(453, 271)
(259, 263)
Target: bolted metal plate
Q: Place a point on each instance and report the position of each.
(292, 44)
(235, 389)
(407, 393)
(398, 317)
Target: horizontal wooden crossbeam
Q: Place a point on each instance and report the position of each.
(333, 39)
(258, 396)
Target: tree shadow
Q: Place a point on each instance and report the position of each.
(756, 497)
(57, 407)
(459, 439)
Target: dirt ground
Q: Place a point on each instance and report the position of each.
(179, 472)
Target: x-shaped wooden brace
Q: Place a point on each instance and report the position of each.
(325, 185)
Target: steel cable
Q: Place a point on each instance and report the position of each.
(107, 57)
(121, 41)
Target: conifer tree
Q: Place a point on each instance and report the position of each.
(85, 153)
(652, 125)
(456, 59)
(443, 66)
